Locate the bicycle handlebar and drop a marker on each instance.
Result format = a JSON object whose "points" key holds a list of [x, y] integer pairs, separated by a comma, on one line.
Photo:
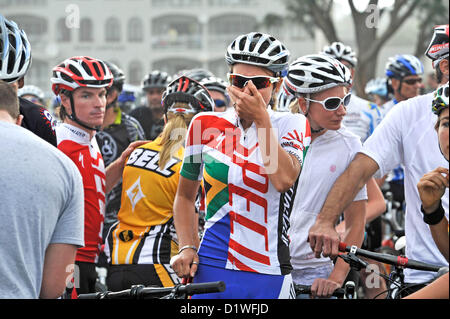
{"points": [[303, 289], [399, 261], [141, 292]]}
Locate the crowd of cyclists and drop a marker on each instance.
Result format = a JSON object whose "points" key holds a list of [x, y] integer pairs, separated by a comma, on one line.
{"points": [[253, 180]]}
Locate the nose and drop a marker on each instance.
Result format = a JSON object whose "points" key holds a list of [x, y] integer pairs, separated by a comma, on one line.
{"points": [[342, 110]]}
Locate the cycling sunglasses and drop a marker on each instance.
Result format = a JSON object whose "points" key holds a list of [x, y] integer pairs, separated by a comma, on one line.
{"points": [[412, 81], [261, 82], [333, 103], [220, 103]]}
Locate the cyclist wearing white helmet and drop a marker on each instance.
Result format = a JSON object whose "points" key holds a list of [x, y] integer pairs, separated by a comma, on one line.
{"points": [[82, 84], [377, 90], [151, 115], [321, 86], [249, 185], [403, 137], [15, 61], [218, 90], [33, 94], [362, 116]]}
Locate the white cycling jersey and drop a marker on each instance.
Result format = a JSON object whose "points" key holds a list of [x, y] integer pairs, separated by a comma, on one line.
{"points": [[328, 157], [247, 219], [407, 136], [362, 117]]}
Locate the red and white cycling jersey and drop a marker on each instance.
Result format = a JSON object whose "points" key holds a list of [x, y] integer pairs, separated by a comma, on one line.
{"points": [[247, 219], [85, 153]]}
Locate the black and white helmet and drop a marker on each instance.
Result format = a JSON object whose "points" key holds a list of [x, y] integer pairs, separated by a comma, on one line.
{"points": [[316, 73], [215, 84], [156, 79], [258, 49], [15, 51], [340, 51]]}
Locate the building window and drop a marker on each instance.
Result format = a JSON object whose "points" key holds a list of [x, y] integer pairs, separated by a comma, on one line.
{"points": [[135, 72], [112, 30], [86, 30], [63, 33], [38, 74], [135, 30], [176, 31], [175, 65]]}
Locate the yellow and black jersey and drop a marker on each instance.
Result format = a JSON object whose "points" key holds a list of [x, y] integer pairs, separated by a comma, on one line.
{"points": [[145, 233]]}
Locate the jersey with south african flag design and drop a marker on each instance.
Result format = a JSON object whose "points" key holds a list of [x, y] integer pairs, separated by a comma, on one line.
{"points": [[247, 219]]}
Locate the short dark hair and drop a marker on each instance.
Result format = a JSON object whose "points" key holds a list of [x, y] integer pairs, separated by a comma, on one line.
{"points": [[9, 101]]}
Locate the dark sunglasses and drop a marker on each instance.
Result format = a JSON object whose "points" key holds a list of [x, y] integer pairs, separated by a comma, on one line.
{"points": [[261, 82], [333, 103], [220, 103], [412, 81]]}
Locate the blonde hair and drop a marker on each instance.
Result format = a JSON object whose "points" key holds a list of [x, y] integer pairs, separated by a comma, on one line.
{"points": [[173, 135]]}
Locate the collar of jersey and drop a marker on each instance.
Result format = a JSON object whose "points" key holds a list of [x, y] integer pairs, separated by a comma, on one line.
{"points": [[78, 134]]}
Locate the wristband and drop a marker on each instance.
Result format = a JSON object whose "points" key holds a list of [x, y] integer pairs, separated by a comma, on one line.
{"points": [[435, 217], [187, 247]]}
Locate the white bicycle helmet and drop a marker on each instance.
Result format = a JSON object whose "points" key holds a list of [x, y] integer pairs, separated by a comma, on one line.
{"points": [[31, 90], [316, 73], [340, 51], [284, 100], [15, 51], [258, 49], [377, 86]]}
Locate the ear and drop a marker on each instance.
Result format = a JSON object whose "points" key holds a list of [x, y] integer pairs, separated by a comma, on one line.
{"points": [[21, 82], [302, 103], [65, 103], [443, 66], [19, 120], [395, 83]]}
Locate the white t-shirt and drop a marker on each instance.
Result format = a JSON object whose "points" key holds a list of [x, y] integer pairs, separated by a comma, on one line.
{"points": [[362, 117], [328, 157], [407, 136]]}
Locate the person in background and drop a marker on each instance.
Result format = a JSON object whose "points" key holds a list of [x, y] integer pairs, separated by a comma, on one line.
{"points": [[377, 91], [33, 94], [150, 116], [42, 207], [218, 90]]}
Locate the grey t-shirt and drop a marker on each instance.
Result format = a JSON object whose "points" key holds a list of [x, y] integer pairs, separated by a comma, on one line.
{"points": [[41, 203]]}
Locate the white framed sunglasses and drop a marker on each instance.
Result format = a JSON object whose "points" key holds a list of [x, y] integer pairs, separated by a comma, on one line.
{"points": [[333, 103]]}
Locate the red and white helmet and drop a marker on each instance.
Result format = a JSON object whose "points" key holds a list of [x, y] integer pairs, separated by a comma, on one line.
{"points": [[438, 48], [81, 71]]}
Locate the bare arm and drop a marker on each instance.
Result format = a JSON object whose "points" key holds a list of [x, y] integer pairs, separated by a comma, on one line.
{"points": [[355, 219], [438, 289], [323, 237], [58, 262], [115, 169], [186, 227]]}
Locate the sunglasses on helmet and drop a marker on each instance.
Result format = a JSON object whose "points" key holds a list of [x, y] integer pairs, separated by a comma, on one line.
{"points": [[333, 103], [261, 82]]}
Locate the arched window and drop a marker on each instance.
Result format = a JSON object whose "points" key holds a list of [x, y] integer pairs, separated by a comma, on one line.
{"points": [[135, 72], [63, 33], [112, 30], [135, 30], [86, 30]]}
